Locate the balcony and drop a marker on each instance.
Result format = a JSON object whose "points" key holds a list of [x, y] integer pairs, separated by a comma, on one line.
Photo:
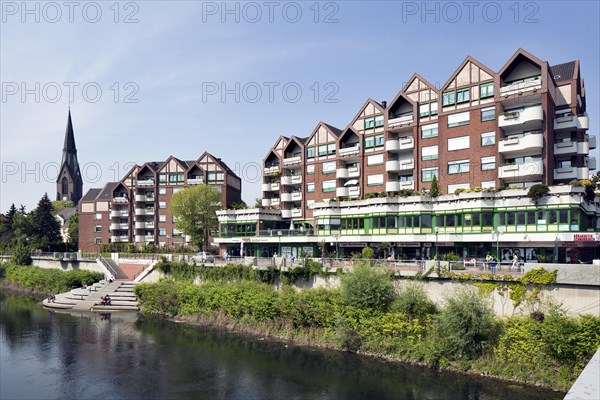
{"points": [[271, 170], [529, 170], [297, 196], [406, 143], [392, 166], [291, 180], [296, 212], [407, 164], [528, 144], [119, 239], [392, 145], [144, 225], [400, 123], [571, 173], [275, 202], [119, 226], [120, 199], [592, 142], [570, 147], [266, 202], [571, 122], [292, 160], [353, 172], [349, 151], [341, 173], [140, 211], [286, 213], [520, 87], [119, 214], [591, 163], [140, 197], [195, 181], [286, 197], [393, 186], [529, 118], [341, 192], [354, 191], [145, 182]]}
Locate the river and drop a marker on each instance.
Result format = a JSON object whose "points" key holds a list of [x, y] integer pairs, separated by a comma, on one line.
{"points": [[46, 355]]}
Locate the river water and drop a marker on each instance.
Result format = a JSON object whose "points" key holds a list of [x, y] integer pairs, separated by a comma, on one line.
{"points": [[45, 355]]}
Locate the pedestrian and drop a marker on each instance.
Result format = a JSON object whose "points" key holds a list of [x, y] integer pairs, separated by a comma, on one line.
{"points": [[225, 256], [493, 264], [515, 263]]}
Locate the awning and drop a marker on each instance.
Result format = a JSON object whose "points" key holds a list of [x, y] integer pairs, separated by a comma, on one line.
{"points": [[351, 182]]}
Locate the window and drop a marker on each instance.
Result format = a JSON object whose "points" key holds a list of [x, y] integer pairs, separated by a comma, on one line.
{"points": [[429, 131], [488, 163], [97, 240], [162, 178], [486, 90], [427, 174], [458, 143], [331, 148], [310, 169], [487, 218], [375, 160], [328, 186], [429, 153], [563, 164], [374, 141], [488, 138], [428, 109], [162, 218], [448, 98], [378, 140], [425, 220], [462, 95], [176, 177], [323, 150], [329, 167], [458, 167], [375, 180], [162, 232], [458, 119], [216, 176], [488, 184], [378, 121], [310, 187], [310, 152], [488, 114], [97, 216], [162, 190], [98, 228], [162, 204]]}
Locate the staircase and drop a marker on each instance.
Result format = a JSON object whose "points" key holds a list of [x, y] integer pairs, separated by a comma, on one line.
{"points": [[88, 298]]}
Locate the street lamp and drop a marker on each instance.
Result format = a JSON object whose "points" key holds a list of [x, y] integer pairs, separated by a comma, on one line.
{"points": [[337, 236], [279, 247], [498, 233], [437, 258]]}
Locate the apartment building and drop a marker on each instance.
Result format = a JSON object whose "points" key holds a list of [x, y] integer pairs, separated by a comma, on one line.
{"points": [[136, 209], [525, 124]]}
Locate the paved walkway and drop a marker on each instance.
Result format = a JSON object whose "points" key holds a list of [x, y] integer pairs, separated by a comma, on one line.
{"points": [[88, 299], [587, 386]]}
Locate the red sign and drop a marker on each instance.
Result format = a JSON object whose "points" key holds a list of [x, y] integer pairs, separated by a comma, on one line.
{"points": [[586, 237]]}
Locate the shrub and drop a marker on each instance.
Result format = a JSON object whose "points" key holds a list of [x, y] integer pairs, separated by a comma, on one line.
{"points": [[434, 190], [467, 324], [368, 253], [414, 302], [343, 336], [21, 255], [367, 287], [50, 280], [537, 191]]}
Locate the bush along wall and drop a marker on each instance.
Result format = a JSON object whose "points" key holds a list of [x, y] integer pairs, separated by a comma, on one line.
{"points": [[368, 314]]}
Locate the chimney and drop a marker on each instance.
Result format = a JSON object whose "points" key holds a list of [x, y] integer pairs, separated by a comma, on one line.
{"points": [[384, 104]]}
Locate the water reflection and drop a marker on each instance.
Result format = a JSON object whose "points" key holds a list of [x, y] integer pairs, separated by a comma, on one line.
{"points": [[51, 355]]}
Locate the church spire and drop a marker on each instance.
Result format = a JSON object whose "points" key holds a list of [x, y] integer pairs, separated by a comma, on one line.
{"points": [[69, 183]]}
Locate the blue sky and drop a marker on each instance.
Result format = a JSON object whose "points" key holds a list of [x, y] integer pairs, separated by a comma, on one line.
{"points": [[161, 68]]}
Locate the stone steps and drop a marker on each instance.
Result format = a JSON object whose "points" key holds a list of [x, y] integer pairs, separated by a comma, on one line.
{"points": [[84, 299]]}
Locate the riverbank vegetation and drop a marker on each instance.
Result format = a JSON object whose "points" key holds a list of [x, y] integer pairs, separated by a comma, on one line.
{"points": [[368, 314], [47, 281]]}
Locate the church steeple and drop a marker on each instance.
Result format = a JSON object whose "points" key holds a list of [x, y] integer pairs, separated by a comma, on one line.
{"points": [[69, 185]]}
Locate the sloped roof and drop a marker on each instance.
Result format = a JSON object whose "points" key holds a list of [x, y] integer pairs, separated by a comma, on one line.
{"points": [[90, 195], [107, 191], [564, 71]]}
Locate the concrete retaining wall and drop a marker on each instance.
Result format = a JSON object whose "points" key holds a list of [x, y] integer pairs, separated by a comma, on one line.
{"points": [[88, 265]]}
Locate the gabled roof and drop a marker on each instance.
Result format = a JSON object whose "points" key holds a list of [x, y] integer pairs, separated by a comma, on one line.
{"points": [[564, 71], [398, 96], [462, 65], [362, 108], [67, 213], [183, 164], [347, 131], [106, 193], [153, 166], [418, 76], [331, 129], [299, 141], [219, 162], [521, 53]]}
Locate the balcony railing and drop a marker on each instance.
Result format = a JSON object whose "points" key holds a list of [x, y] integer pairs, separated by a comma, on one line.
{"points": [[571, 122], [120, 199], [341, 173], [292, 160], [347, 151], [286, 213], [526, 119], [570, 173], [119, 239], [195, 181], [266, 202], [353, 191], [341, 192], [404, 120], [529, 144], [297, 196], [521, 86], [146, 182], [119, 214], [291, 180], [274, 169], [285, 197], [296, 212], [570, 147], [119, 226], [526, 170]]}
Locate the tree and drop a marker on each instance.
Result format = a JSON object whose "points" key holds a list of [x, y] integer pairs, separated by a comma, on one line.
{"points": [[384, 248], [258, 202], [194, 209], [367, 287], [239, 205], [47, 227], [537, 191], [59, 205], [73, 232], [434, 190], [21, 255], [596, 179]]}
